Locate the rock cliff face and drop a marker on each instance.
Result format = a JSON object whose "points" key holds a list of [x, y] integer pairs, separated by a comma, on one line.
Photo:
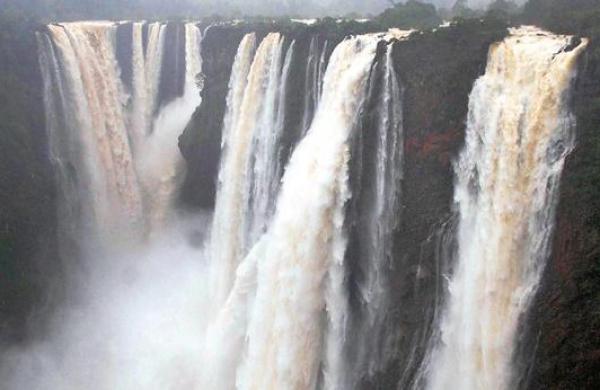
{"points": [[201, 142], [28, 260], [437, 71]]}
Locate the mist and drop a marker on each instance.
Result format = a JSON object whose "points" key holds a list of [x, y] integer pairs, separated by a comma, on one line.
{"points": [[331, 7], [139, 312], [74, 9]]}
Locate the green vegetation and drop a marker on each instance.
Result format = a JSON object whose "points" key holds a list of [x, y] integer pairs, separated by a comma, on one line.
{"points": [[503, 9], [412, 14], [460, 9]]}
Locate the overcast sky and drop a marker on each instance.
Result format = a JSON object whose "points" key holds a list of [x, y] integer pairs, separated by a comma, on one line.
{"points": [[311, 8], [327, 6]]}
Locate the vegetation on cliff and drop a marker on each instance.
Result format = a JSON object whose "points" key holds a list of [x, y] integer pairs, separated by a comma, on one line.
{"points": [[412, 14]]}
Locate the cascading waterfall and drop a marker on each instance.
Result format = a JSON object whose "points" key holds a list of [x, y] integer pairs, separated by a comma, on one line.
{"points": [[117, 162], [375, 226], [249, 168], [147, 67], [98, 159], [272, 326], [518, 135], [279, 312], [133, 285], [162, 176], [315, 71], [226, 231], [264, 168]]}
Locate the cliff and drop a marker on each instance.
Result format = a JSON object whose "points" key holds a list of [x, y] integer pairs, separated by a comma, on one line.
{"points": [[437, 70], [200, 144], [28, 259]]}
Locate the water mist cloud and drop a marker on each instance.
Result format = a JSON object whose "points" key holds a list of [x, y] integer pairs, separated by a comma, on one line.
{"points": [[138, 323]]}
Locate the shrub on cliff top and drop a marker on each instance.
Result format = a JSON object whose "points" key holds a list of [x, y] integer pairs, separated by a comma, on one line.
{"points": [[412, 14]]}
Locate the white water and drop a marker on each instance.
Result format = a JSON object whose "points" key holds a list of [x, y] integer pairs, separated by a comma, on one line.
{"points": [[123, 161], [294, 275], [160, 163], [141, 325], [275, 312], [265, 168], [94, 98], [265, 305], [518, 135], [133, 303], [249, 160], [147, 67], [382, 215], [313, 84]]}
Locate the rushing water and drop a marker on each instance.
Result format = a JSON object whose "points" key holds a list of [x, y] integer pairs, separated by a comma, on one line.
{"points": [[519, 132], [118, 162], [249, 170], [277, 309], [313, 81], [97, 160], [378, 216], [264, 299], [294, 273]]}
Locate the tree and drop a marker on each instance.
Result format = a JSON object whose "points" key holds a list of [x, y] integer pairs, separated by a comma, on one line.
{"points": [[412, 14], [504, 6], [460, 9]]}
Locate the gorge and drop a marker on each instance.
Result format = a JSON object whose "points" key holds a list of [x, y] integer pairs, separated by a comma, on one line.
{"points": [[288, 206]]}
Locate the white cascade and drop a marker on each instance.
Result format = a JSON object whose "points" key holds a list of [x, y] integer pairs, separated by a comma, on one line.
{"points": [[249, 169], [284, 319], [117, 161], [162, 176], [264, 169], [313, 83], [382, 216], [519, 132], [94, 99], [147, 67]]}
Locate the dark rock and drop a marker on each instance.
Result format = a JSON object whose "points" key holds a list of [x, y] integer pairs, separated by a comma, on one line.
{"points": [[28, 244], [172, 75]]}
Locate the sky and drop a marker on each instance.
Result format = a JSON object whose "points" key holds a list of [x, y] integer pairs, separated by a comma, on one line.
{"points": [[329, 6], [308, 8]]}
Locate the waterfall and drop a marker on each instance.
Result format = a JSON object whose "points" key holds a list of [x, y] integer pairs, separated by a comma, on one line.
{"points": [[313, 82], [98, 160], [294, 286], [378, 214], [117, 161], [249, 169], [147, 67], [519, 132], [162, 176], [264, 170], [291, 277]]}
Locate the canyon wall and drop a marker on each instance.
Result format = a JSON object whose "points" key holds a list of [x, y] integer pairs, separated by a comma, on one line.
{"points": [[436, 71]]}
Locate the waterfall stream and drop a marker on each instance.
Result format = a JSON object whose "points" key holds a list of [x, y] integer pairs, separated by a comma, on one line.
{"points": [[519, 132], [118, 161], [288, 283]]}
